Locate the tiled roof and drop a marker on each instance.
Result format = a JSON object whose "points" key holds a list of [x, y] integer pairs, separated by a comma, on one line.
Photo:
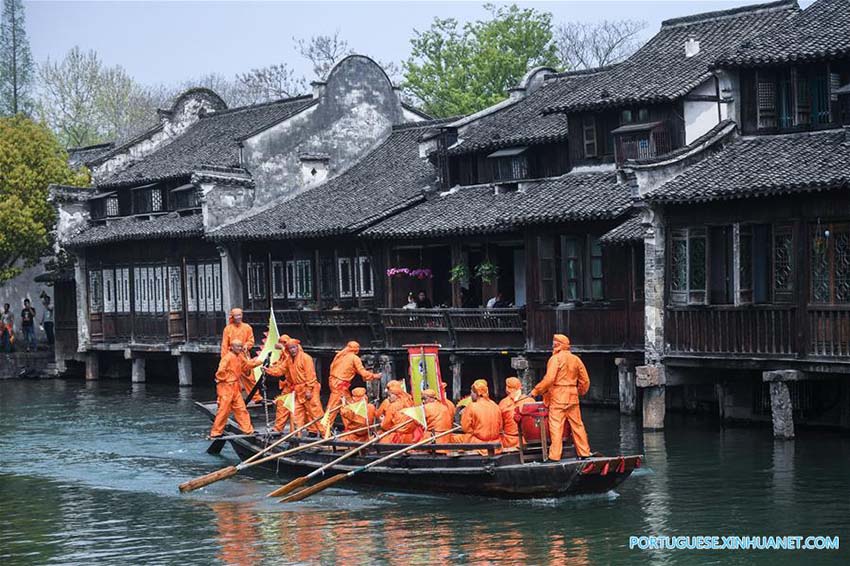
{"points": [[520, 123], [389, 178], [659, 71], [626, 233], [821, 31], [477, 210], [764, 165], [211, 141], [79, 156], [121, 229]]}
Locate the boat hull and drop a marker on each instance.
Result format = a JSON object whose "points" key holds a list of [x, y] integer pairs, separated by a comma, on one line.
{"points": [[503, 475]]}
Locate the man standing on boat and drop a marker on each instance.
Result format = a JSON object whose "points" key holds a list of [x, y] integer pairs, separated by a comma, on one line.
{"points": [[231, 367], [566, 379], [301, 372], [481, 419], [238, 330], [508, 406], [278, 370], [345, 365]]}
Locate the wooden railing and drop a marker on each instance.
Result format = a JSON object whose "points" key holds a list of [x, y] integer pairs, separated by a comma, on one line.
{"points": [[327, 328], [591, 326], [829, 331], [455, 328], [751, 330]]}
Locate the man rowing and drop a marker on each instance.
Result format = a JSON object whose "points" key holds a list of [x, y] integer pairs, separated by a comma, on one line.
{"points": [[398, 399], [438, 416], [232, 366], [301, 372], [353, 419], [565, 380], [238, 330], [278, 370]]}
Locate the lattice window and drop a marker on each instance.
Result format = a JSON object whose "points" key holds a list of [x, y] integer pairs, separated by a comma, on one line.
{"points": [[830, 263], [299, 279], [346, 279], [745, 264], [112, 206], [95, 292], [278, 280], [679, 264], [688, 265], [175, 289], [766, 95], [191, 288], [572, 268], [108, 291], [327, 279], [548, 274], [256, 280], [365, 278], [596, 282], [783, 263], [589, 134]]}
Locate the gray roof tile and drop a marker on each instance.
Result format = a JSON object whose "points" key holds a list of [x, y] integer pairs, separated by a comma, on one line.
{"points": [[131, 228]]}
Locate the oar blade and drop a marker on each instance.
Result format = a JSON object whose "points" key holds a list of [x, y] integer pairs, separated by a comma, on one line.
{"points": [[291, 486], [314, 489], [216, 447], [213, 477]]}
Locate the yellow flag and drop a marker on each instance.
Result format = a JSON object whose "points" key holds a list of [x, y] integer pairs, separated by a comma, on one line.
{"points": [[359, 408], [272, 336], [288, 401], [416, 413], [464, 402], [326, 422]]}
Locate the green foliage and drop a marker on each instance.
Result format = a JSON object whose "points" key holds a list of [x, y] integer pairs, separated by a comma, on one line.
{"points": [[487, 271], [30, 160], [460, 71], [17, 69], [459, 273]]}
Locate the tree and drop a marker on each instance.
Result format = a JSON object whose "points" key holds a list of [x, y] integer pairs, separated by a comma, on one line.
{"points": [[123, 108], [270, 83], [69, 95], [584, 45], [30, 159], [16, 65], [454, 71], [323, 51]]}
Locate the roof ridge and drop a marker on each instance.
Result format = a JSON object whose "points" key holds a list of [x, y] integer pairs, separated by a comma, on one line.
{"points": [[258, 105], [424, 123], [93, 146], [730, 13], [582, 72]]}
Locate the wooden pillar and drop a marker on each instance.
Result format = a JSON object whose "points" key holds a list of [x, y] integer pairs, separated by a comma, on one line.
{"points": [[457, 367], [627, 389], [184, 370], [781, 406], [497, 379], [138, 374], [92, 366]]}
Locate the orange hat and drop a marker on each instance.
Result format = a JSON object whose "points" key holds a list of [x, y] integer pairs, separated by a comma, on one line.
{"points": [[394, 387], [358, 392], [282, 341], [479, 386], [513, 384], [563, 343], [353, 346], [429, 393], [233, 312]]}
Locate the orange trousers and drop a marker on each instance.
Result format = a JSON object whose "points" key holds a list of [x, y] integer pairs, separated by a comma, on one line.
{"points": [[281, 415], [336, 400], [306, 411], [557, 415], [230, 400]]}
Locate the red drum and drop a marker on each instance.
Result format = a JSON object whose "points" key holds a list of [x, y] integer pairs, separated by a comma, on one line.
{"points": [[531, 416]]}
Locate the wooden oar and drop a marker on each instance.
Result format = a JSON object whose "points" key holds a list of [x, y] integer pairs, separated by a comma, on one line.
{"points": [[298, 482], [322, 485], [229, 471]]}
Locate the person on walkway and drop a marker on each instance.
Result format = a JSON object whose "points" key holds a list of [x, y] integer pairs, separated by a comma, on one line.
{"points": [[422, 301], [481, 420], [301, 373], [278, 370], [241, 331], [232, 365], [345, 365], [28, 325], [47, 318], [7, 321], [508, 407], [565, 381], [353, 421], [398, 399], [437, 415]]}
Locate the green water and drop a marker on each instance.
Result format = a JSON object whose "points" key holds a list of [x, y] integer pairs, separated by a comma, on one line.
{"points": [[89, 475]]}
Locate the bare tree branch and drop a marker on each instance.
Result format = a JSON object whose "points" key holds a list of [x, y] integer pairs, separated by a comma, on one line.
{"points": [[323, 51], [584, 45]]}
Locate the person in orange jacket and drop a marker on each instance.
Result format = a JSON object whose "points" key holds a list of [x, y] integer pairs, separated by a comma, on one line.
{"points": [[565, 380], [438, 416], [353, 421], [301, 372], [232, 365], [398, 399], [278, 370], [241, 331], [481, 420], [345, 365], [508, 407]]}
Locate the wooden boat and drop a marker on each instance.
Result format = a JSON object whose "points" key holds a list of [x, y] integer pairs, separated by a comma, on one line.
{"points": [[511, 475]]}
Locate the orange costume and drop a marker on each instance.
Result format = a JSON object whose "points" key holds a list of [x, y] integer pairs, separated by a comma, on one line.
{"points": [[301, 373], [345, 365], [230, 368], [565, 380], [278, 370], [393, 416], [508, 406], [353, 421], [438, 416], [245, 334], [481, 419]]}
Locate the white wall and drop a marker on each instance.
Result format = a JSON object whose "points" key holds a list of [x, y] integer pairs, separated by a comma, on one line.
{"points": [[700, 116]]}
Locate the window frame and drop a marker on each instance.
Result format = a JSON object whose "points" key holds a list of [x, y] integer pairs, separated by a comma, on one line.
{"points": [[589, 126]]}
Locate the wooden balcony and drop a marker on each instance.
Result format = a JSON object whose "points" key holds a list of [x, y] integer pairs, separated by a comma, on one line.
{"points": [[321, 329], [829, 331], [603, 327]]}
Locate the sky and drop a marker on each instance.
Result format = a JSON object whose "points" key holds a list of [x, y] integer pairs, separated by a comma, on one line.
{"points": [[170, 42]]}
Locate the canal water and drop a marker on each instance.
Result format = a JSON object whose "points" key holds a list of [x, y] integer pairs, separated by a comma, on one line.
{"points": [[89, 475]]}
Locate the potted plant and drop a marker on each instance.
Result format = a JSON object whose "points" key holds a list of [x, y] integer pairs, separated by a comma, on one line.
{"points": [[459, 273], [487, 271]]}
